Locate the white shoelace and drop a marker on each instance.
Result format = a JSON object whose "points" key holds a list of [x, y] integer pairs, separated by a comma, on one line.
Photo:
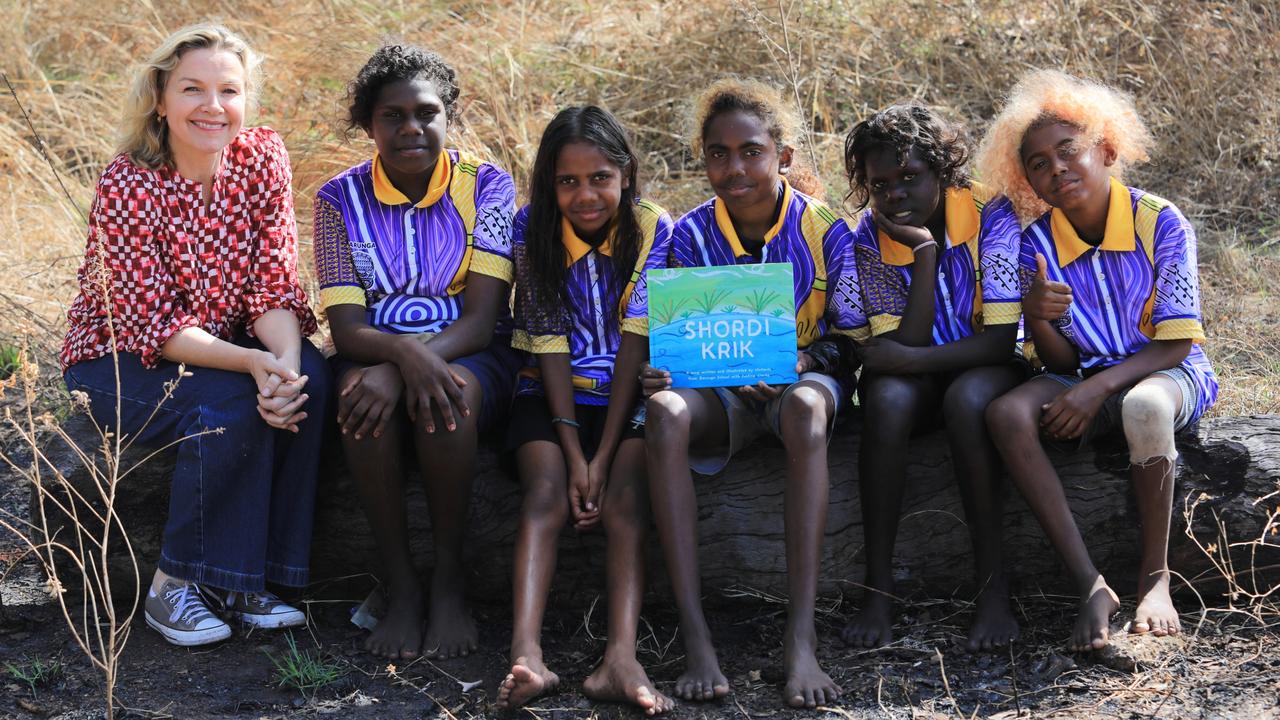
{"points": [[188, 606]]}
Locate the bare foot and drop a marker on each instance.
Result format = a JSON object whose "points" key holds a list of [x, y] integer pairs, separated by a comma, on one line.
{"points": [[994, 625], [1092, 630], [873, 627], [807, 685], [702, 679], [398, 635], [528, 679], [451, 632], [624, 680], [1156, 613]]}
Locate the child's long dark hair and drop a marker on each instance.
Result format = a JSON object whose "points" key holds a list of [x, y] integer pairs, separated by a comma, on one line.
{"points": [[903, 127], [544, 247]]}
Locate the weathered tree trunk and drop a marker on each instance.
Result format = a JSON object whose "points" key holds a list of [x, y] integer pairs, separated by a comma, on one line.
{"points": [[1229, 472]]}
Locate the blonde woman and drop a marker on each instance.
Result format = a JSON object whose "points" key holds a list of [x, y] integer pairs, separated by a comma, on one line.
{"points": [[192, 260]]}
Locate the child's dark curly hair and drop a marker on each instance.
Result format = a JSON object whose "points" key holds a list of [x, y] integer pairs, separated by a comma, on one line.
{"points": [[392, 63], [903, 127]]}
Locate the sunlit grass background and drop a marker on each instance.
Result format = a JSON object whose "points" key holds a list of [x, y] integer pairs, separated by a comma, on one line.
{"points": [[1204, 74]]}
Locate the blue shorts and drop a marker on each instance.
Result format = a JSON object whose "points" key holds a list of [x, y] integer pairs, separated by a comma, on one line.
{"points": [[495, 368], [748, 420], [1110, 419]]}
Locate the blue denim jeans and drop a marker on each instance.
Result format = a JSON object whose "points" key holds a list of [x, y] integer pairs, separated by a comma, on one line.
{"points": [[242, 499]]}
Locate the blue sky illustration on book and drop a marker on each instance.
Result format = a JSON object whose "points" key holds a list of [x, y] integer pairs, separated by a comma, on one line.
{"points": [[723, 326]]}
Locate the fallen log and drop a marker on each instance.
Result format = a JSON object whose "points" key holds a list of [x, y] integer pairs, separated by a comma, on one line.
{"points": [[1228, 487]]}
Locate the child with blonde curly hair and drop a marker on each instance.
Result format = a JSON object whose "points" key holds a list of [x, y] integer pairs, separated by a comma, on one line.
{"points": [[1112, 311]]}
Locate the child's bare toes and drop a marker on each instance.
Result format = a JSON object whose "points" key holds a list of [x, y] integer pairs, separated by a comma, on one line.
{"points": [[526, 681], [1156, 613], [624, 680], [994, 625], [398, 635], [702, 679], [873, 627], [1092, 630], [807, 684]]}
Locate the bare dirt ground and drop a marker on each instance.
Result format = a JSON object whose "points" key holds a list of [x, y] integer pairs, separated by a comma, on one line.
{"points": [[1227, 665]]}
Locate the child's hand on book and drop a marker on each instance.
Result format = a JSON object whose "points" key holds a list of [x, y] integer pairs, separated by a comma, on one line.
{"points": [[761, 392], [653, 380]]}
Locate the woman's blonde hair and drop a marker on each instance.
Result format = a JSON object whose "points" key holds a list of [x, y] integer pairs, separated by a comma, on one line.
{"points": [[1102, 113], [144, 135], [765, 102]]}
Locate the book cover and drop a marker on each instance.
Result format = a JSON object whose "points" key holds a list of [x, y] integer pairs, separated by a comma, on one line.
{"points": [[723, 326]]}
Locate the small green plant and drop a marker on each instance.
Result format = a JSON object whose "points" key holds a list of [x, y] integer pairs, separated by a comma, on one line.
{"points": [[758, 300], [728, 309], [36, 673], [301, 670], [668, 310], [10, 360], [710, 299]]}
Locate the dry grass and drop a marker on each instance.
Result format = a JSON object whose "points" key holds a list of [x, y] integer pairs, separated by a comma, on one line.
{"points": [[1203, 75]]}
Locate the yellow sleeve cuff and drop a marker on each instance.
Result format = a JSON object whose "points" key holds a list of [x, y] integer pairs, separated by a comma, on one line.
{"points": [[1029, 352], [1003, 313], [636, 326], [492, 265], [881, 324], [539, 344], [859, 334], [1180, 329], [342, 295]]}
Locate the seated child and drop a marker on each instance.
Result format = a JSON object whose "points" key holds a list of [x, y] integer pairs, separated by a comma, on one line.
{"points": [[937, 260], [747, 133], [582, 247], [413, 256], [1112, 310]]}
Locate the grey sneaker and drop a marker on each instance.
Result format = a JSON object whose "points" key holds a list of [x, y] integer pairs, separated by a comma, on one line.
{"points": [[262, 610], [178, 612]]}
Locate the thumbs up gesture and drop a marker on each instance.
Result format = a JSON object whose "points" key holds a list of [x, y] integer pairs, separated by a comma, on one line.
{"points": [[1047, 299]]}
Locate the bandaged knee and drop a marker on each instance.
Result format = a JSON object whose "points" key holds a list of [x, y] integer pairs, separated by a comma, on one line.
{"points": [[1149, 413]]}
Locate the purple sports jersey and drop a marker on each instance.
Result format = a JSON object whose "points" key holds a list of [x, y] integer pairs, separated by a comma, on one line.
{"points": [[590, 328], [405, 262], [1126, 292], [809, 236], [978, 282]]}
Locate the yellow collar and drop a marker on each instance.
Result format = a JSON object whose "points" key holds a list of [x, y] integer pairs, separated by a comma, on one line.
{"points": [[963, 225], [576, 247], [387, 193], [726, 224], [1119, 234]]}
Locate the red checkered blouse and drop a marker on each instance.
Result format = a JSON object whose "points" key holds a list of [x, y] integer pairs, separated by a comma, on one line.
{"points": [[159, 261]]}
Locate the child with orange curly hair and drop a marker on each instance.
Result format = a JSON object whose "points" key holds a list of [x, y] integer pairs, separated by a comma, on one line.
{"points": [[1112, 310]]}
